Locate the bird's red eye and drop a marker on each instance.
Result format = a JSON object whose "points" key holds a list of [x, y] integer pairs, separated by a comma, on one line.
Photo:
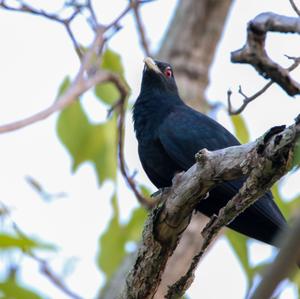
{"points": [[168, 72]]}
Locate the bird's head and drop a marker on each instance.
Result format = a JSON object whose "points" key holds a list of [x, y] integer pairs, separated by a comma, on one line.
{"points": [[158, 76]]}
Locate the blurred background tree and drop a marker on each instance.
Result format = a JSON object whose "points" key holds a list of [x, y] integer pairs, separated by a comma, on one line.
{"points": [[88, 233]]}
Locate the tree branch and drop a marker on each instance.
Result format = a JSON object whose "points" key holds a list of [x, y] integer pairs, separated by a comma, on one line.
{"points": [[265, 161], [248, 99], [144, 201], [66, 22], [53, 277], [140, 27], [254, 52]]}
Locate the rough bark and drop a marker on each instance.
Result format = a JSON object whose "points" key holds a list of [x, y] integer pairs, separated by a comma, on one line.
{"points": [[264, 161]]}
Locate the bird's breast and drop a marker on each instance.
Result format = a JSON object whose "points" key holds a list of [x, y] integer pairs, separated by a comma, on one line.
{"points": [[157, 164]]}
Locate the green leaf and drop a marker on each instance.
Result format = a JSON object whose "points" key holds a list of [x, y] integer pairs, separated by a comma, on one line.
{"points": [[23, 243], [240, 127], [112, 61], [133, 229], [103, 142], [107, 92], [238, 243], [9, 289], [112, 247], [114, 239], [89, 142]]}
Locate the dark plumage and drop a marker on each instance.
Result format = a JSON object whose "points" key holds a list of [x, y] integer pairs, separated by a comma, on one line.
{"points": [[170, 133]]}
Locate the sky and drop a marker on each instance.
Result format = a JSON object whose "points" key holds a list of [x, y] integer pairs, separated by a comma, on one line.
{"points": [[35, 56]]}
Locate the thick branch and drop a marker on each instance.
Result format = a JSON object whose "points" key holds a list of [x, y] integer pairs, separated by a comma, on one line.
{"points": [[265, 160], [254, 52]]}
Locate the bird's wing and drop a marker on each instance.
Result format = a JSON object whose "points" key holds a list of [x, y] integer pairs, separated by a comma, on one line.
{"points": [[182, 134], [185, 131]]}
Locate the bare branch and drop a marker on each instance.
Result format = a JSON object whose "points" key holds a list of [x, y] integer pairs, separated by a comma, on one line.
{"points": [[140, 27], [264, 161], [53, 277], [66, 22], [249, 99], [254, 52], [82, 82], [94, 19]]}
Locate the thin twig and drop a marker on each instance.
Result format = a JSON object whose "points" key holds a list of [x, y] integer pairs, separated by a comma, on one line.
{"points": [[25, 8], [94, 19], [249, 99], [146, 202], [130, 6], [53, 277], [295, 8], [79, 86], [140, 27]]}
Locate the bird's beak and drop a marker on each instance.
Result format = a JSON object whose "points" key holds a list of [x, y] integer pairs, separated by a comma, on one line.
{"points": [[151, 65]]}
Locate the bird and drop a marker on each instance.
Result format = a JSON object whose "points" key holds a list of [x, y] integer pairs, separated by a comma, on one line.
{"points": [[170, 133]]}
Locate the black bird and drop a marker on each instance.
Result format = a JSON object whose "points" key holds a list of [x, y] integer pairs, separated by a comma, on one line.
{"points": [[170, 133]]}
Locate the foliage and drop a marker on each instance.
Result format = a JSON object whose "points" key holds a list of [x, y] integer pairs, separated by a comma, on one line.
{"points": [[97, 143], [107, 92], [21, 242], [113, 241], [9, 289]]}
